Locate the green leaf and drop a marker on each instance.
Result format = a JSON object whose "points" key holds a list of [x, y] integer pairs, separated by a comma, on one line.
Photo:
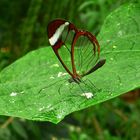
{"points": [[36, 86]]}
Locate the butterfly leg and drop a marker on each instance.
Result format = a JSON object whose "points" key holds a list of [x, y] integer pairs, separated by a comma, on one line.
{"points": [[62, 84], [89, 84], [86, 91], [81, 88], [48, 86]]}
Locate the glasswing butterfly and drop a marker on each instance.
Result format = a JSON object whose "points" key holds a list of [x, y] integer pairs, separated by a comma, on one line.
{"points": [[82, 46]]}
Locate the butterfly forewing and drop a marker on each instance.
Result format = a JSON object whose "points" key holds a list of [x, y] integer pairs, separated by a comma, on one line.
{"points": [[61, 40], [65, 50], [86, 53]]}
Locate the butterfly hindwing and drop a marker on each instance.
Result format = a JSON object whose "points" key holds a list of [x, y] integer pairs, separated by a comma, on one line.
{"points": [[86, 52]]}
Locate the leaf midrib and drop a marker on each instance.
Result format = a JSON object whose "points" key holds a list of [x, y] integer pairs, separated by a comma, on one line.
{"points": [[122, 51]]}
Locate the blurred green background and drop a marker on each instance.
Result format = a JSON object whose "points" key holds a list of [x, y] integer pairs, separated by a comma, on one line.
{"points": [[22, 29]]}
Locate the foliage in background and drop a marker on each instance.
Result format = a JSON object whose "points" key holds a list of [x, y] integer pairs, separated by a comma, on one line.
{"points": [[111, 120], [23, 23]]}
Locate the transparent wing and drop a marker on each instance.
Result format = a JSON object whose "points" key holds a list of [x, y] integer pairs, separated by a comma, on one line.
{"points": [[86, 53], [78, 51], [61, 34], [65, 50]]}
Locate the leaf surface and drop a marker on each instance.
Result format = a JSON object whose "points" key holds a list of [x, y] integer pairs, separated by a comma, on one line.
{"points": [[36, 86]]}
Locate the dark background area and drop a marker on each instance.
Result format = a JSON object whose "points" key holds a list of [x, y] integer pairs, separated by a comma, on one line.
{"points": [[22, 29]]}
